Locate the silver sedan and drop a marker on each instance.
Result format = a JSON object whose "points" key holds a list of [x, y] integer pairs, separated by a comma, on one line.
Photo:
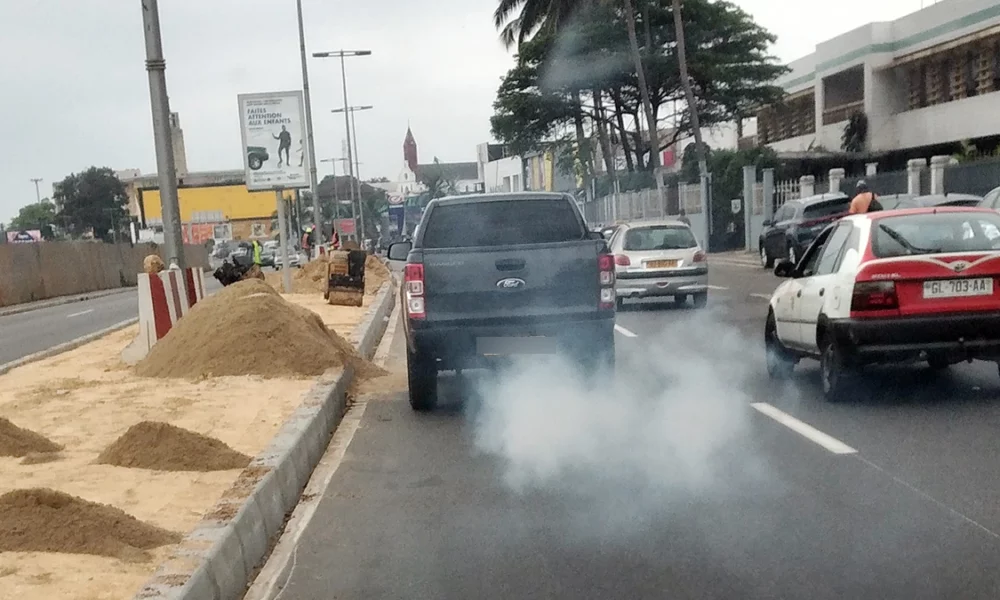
{"points": [[657, 259]]}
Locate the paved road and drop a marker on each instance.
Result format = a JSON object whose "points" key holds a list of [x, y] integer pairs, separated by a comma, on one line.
{"points": [[672, 482], [26, 333]]}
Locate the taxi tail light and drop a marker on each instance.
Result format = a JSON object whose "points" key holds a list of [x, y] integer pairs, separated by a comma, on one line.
{"points": [[413, 279], [874, 295], [606, 274], [700, 257], [622, 260]]}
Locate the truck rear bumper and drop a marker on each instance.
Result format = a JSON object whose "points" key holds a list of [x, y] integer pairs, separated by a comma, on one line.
{"points": [[471, 346]]}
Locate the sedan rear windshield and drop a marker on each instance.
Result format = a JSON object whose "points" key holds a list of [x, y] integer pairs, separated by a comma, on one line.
{"points": [[826, 209], [935, 233], [503, 223], [664, 237]]}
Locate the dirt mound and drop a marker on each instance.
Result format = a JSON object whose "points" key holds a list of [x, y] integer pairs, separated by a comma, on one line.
{"points": [[44, 520], [15, 441], [249, 329], [376, 273], [309, 279], [164, 447]]}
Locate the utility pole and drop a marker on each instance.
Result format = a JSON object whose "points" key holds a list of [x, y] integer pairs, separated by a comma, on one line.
{"points": [[313, 179], [173, 240], [357, 162], [38, 194]]}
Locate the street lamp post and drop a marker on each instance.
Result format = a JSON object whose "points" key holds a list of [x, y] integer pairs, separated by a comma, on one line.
{"points": [[357, 161], [165, 168], [342, 54], [313, 184], [38, 194]]}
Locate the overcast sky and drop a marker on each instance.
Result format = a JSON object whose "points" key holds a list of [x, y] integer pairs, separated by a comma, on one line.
{"points": [[75, 89]]}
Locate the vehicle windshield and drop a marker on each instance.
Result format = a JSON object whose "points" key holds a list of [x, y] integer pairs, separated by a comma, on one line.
{"points": [[934, 233], [827, 208], [663, 237], [502, 223]]}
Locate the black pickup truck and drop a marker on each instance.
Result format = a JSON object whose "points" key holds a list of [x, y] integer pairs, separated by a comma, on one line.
{"points": [[493, 275]]}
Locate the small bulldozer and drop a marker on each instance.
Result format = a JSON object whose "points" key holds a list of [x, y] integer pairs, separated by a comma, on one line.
{"points": [[345, 277]]}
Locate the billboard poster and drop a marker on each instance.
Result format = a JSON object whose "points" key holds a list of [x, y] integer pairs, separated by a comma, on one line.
{"points": [[24, 236], [273, 131], [397, 216]]}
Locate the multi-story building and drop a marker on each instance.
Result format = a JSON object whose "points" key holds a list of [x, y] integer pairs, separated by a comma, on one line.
{"points": [[927, 79]]}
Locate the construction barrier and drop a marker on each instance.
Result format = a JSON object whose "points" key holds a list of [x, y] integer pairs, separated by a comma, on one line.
{"points": [[164, 298]]}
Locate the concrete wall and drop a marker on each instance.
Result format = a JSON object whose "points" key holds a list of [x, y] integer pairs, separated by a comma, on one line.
{"points": [[30, 272]]}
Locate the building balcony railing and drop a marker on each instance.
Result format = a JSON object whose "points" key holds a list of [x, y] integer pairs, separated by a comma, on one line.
{"points": [[843, 112]]}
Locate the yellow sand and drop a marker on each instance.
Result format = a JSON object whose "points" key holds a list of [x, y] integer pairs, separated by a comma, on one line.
{"points": [[84, 400]]}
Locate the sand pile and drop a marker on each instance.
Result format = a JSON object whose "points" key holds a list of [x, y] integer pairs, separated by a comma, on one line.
{"points": [[249, 329], [164, 447], [44, 520], [376, 273], [15, 441], [309, 279]]}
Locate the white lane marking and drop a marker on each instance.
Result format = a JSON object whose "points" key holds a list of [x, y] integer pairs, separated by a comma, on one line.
{"points": [[270, 583], [80, 314], [624, 331], [761, 296], [807, 431], [716, 287]]}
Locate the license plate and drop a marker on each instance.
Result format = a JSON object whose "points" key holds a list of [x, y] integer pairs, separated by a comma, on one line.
{"points": [[661, 264], [505, 346], [958, 288]]}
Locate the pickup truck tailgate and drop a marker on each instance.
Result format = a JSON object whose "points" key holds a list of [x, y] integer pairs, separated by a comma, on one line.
{"points": [[550, 281]]}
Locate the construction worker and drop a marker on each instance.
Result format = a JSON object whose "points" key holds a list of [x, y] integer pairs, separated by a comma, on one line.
{"points": [[864, 200], [255, 253]]}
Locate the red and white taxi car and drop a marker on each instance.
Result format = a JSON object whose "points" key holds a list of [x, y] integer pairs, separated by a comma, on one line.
{"points": [[890, 286]]}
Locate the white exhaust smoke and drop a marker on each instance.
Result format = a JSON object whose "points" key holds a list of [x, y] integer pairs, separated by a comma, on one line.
{"points": [[623, 447]]}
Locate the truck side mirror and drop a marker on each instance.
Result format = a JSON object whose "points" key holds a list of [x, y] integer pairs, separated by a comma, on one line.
{"points": [[399, 251]]}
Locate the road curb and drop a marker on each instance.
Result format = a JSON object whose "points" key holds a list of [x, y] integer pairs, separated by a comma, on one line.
{"points": [[17, 309], [219, 559], [66, 346]]}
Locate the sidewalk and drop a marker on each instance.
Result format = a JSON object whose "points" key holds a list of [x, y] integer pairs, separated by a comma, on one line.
{"points": [[30, 306], [735, 257]]}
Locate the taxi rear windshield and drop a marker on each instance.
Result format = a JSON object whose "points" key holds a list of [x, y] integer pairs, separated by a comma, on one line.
{"points": [[935, 233]]}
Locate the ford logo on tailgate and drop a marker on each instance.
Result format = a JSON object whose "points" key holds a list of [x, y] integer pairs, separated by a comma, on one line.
{"points": [[511, 283]]}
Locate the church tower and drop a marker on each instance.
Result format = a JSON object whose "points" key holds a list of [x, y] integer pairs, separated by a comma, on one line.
{"points": [[410, 150]]}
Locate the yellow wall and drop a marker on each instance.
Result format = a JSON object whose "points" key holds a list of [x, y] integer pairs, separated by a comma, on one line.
{"points": [[234, 201]]}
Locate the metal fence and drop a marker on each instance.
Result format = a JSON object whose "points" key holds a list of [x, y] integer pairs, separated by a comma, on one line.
{"points": [[977, 177]]}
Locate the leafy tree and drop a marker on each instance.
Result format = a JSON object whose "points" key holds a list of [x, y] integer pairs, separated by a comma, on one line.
{"points": [[40, 215], [437, 180], [93, 201]]}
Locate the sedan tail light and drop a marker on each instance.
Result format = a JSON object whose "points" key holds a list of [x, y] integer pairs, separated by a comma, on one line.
{"points": [[622, 260], [700, 257], [874, 296]]}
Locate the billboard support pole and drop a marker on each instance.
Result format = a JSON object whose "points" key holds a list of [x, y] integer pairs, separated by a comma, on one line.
{"points": [[286, 267], [313, 179], [165, 168]]}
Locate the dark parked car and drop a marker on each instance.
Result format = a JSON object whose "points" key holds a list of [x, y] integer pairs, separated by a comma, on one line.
{"points": [[991, 199], [796, 224], [902, 201]]}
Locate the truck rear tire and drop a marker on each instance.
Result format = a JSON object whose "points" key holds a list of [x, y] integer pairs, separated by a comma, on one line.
{"points": [[421, 374]]}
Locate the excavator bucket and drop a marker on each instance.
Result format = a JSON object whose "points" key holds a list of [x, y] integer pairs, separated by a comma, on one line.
{"points": [[345, 281]]}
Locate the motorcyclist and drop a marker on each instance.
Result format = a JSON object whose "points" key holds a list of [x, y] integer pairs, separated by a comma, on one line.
{"points": [[864, 200]]}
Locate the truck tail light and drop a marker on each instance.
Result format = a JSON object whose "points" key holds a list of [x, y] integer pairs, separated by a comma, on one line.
{"points": [[700, 257], [606, 270], [622, 260], [873, 296], [413, 280]]}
